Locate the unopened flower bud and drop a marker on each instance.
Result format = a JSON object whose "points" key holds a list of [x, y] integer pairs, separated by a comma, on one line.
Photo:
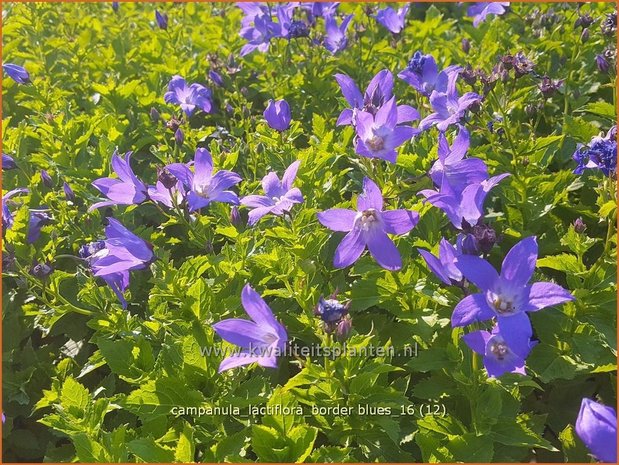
{"points": [[579, 226], [179, 136], [466, 45], [343, 328], [602, 63], [155, 116], [467, 244], [68, 192], [584, 36], [216, 78], [46, 179], [235, 216], [162, 19]]}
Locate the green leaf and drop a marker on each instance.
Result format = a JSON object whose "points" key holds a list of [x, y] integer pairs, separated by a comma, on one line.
{"points": [[161, 396], [147, 450], [562, 262], [517, 434], [471, 448], [87, 450], [603, 109], [573, 448], [185, 448], [302, 438], [74, 398], [267, 444]]}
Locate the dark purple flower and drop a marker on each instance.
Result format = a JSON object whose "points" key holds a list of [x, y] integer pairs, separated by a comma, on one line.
{"points": [[280, 195], [422, 73], [600, 154], [7, 216], [479, 11], [519, 63], [38, 219], [261, 340], [290, 28], [162, 19], [499, 356], [216, 78], [466, 206], [277, 115], [8, 163], [330, 310], [69, 195], [17, 73], [444, 267], [126, 189], [508, 296], [188, 96], [46, 179], [609, 25], [596, 425], [41, 270], [549, 86], [172, 184], [167, 178], [368, 226], [204, 187], [449, 108], [451, 166], [378, 92], [584, 21], [393, 20], [378, 136], [476, 239], [114, 258], [335, 39], [115, 7]]}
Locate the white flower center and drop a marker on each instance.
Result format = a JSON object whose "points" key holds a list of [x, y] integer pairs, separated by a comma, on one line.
{"points": [[203, 190], [367, 219], [375, 143], [503, 305], [499, 349]]}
